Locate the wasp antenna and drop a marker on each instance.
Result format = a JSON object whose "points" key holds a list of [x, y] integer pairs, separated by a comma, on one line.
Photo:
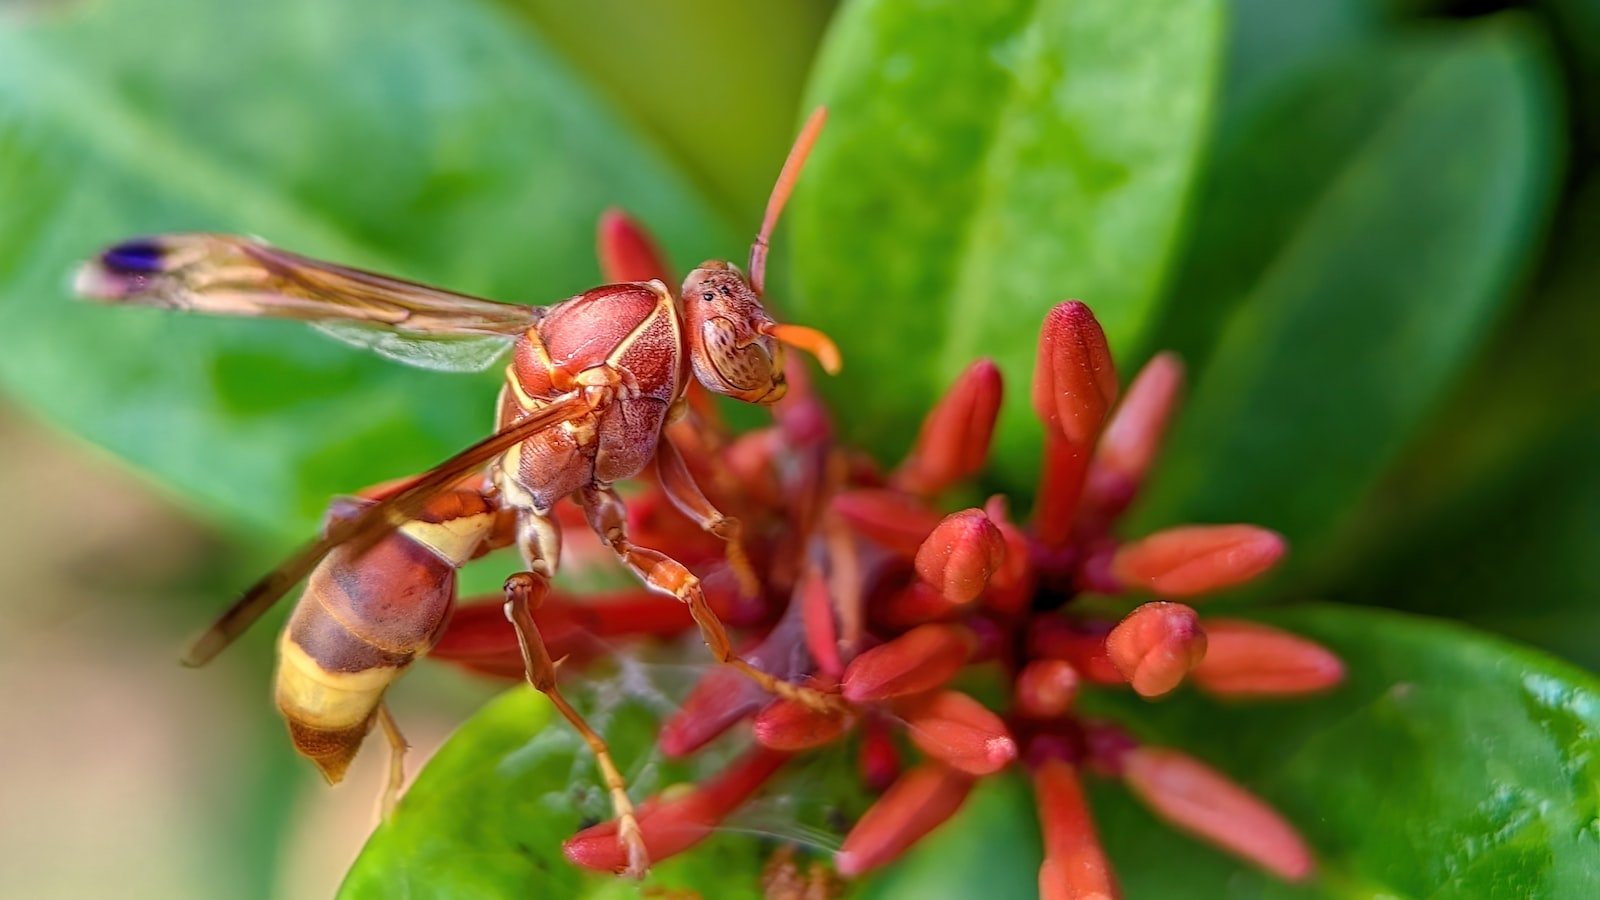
{"points": [[811, 341], [780, 194]]}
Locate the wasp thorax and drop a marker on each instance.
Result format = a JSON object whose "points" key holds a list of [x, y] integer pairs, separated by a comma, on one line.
{"points": [[729, 346]]}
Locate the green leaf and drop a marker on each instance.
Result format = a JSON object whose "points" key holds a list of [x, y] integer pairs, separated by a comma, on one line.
{"points": [[1575, 24], [989, 849], [487, 815], [1449, 765], [446, 144], [1491, 517], [1348, 258], [1269, 42], [716, 82], [1516, 555], [983, 162]]}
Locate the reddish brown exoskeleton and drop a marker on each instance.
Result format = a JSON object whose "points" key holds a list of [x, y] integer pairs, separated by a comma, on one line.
{"points": [[591, 385]]}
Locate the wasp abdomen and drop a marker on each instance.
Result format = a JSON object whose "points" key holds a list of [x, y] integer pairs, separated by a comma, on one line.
{"points": [[360, 623]]}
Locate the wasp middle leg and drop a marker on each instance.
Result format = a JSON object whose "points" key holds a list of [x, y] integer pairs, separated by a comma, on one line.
{"points": [[608, 517]]}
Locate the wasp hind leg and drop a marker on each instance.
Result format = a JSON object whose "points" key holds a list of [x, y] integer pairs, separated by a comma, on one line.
{"points": [[524, 591], [397, 762]]}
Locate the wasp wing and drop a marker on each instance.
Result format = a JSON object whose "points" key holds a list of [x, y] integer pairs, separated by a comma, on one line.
{"points": [[362, 530], [226, 275], [442, 354]]}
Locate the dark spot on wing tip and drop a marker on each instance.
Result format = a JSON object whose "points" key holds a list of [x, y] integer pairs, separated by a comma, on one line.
{"points": [[140, 256]]}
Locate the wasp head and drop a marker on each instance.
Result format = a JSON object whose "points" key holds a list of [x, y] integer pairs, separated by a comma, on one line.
{"points": [[731, 344]]}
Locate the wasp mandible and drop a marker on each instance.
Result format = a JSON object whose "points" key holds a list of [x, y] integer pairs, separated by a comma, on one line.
{"points": [[591, 384]]}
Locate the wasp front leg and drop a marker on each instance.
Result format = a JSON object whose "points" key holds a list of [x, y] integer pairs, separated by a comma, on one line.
{"points": [[608, 517], [540, 540], [680, 487]]}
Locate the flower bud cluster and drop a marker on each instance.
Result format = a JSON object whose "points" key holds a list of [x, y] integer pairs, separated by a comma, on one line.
{"points": [[874, 595]]}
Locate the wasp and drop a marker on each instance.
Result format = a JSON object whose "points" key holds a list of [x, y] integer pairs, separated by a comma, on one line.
{"points": [[590, 387]]}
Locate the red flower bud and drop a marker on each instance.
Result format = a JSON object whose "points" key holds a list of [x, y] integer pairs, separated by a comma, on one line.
{"points": [[915, 604], [959, 731], [1156, 646], [1081, 644], [898, 521], [626, 252], [480, 639], [1246, 659], [749, 458], [879, 761], [1011, 586], [673, 823], [920, 801], [955, 436], [791, 725], [1046, 688], [920, 660], [1074, 381], [722, 697], [1060, 486], [1207, 804], [1105, 746], [1132, 436], [1075, 867], [1074, 385], [822, 632], [802, 417], [961, 554], [1197, 559]]}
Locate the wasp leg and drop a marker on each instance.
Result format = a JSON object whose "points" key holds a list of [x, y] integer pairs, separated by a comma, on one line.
{"points": [[540, 541], [685, 494], [608, 517], [397, 761]]}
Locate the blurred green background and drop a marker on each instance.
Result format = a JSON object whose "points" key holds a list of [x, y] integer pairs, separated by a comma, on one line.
{"points": [[1369, 226]]}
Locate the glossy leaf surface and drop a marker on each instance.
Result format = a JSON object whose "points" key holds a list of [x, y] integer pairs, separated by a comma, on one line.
{"points": [[487, 816]]}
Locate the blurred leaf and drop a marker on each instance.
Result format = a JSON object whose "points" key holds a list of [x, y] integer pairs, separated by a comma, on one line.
{"points": [[984, 162], [717, 82], [1536, 379], [487, 816], [1269, 42], [1349, 257], [989, 849], [444, 144], [1574, 26], [1449, 765], [1517, 555], [1489, 517]]}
